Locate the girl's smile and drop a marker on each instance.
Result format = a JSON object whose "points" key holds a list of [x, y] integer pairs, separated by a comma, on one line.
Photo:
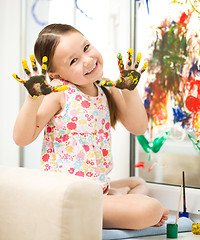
{"points": [[92, 70]]}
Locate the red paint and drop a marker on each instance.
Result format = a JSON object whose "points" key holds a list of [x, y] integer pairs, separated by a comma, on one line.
{"points": [[140, 164]]}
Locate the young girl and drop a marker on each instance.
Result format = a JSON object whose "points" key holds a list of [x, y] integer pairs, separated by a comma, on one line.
{"points": [[77, 122]]}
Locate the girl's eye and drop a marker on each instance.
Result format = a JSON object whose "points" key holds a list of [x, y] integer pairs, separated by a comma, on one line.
{"points": [[86, 47], [73, 61]]}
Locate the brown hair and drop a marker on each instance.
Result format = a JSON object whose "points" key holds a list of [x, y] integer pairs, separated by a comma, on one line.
{"points": [[45, 45]]}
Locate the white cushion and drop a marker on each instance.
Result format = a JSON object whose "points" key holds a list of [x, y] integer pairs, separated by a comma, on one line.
{"points": [[37, 205]]}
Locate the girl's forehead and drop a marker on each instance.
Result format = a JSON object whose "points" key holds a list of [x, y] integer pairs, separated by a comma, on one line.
{"points": [[70, 43], [72, 37]]}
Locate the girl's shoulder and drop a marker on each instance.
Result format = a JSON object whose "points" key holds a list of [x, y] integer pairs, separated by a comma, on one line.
{"points": [[56, 82]]}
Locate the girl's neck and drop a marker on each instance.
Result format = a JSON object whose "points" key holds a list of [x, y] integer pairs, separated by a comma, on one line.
{"points": [[90, 90]]}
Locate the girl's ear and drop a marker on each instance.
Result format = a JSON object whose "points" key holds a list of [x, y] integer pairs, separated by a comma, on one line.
{"points": [[54, 76]]}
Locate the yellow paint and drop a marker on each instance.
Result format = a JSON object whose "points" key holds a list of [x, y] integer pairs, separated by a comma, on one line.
{"points": [[24, 64], [194, 7], [60, 88], [175, 1], [119, 56], [196, 228], [103, 83], [17, 78], [145, 65], [44, 59], [32, 58], [139, 56], [130, 51], [44, 63]]}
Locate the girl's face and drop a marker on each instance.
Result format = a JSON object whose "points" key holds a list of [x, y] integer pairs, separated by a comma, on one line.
{"points": [[76, 60]]}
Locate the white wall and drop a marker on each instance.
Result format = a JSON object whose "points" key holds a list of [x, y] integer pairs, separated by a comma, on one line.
{"points": [[9, 87]]}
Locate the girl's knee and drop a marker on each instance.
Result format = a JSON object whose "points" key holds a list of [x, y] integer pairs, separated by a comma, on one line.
{"points": [[137, 180], [140, 183]]}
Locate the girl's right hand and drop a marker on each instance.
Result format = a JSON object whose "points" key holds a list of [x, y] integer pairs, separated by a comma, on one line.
{"points": [[129, 77], [37, 84]]}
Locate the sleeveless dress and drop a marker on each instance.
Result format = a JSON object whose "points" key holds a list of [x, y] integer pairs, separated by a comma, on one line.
{"points": [[78, 140]]}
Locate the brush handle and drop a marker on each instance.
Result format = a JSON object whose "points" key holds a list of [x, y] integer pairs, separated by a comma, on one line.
{"points": [[179, 204]]}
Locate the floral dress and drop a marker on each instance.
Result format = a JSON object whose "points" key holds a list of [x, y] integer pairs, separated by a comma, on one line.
{"points": [[78, 140]]}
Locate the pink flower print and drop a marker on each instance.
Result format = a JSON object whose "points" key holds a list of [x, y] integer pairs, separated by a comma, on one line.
{"points": [[101, 107], [74, 112], [81, 155], [85, 104], [58, 139], [48, 129], [78, 97], [89, 174], [65, 138], [47, 167], [88, 162], [86, 147], [106, 134], [80, 173], [71, 125], [107, 126], [65, 156], [45, 157], [74, 119], [49, 150], [106, 165], [95, 133], [103, 121], [100, 131], [89, 117], [98, 161], [71, 90], [105, 152], [71, 170]]}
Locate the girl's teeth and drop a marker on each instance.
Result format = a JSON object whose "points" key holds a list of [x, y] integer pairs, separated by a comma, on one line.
{"points": [[92, 69]]}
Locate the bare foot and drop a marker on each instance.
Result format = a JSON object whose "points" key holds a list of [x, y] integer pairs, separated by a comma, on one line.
{"points": [[119, 191], [163, 218]]}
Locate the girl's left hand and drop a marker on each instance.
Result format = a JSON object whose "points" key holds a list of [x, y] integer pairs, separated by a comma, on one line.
{"points": [[129, 77], [37, 84]]}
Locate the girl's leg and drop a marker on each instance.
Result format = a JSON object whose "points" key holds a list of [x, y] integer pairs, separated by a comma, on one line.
{"points": [[131, 211], [128, 186]]}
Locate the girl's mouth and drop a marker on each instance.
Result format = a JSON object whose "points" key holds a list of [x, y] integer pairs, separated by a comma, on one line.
{"points": [[92, 69]]}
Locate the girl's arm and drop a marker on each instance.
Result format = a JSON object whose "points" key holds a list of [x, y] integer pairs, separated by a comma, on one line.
{"points": [[132, 113], [42, 103], [34, 115]]}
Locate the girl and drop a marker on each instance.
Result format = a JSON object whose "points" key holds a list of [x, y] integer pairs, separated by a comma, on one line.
{"points": [[77, 123]]}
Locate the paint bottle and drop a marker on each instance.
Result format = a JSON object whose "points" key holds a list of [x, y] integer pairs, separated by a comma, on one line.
{"points": [[172, 230], [196, 228], [184, 214]]}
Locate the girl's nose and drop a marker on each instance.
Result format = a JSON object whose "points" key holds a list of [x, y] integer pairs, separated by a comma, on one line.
{"points": [[87, 61]]}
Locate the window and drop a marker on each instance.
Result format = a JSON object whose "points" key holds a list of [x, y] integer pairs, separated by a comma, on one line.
{"points": [[163, 168], [169, 40]]}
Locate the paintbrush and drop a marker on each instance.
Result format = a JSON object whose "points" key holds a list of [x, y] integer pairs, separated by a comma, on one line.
{"points": [[178, 205]]}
